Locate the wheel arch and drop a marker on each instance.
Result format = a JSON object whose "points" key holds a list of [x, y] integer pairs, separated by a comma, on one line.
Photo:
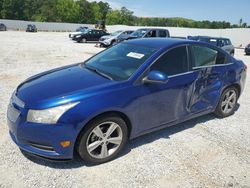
{"points": [[236, 85], [103, 114]]}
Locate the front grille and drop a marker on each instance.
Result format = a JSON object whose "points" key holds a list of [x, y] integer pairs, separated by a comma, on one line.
{"points": [[42, 147]]}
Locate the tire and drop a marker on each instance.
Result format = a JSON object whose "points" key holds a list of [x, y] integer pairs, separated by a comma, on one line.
{"points": [[107, 145], [232, 53], [112, 43], [226, 106], [83, 40]]}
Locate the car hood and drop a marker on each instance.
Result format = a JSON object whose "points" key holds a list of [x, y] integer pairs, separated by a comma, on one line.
{"points": [[54, 87], [76, 33], [106, 37], [131, 37]]}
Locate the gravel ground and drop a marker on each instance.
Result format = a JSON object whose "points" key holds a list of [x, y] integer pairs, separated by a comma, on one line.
{"points": [[204, 152]]}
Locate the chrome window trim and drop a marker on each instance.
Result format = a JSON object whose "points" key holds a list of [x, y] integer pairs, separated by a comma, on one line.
{"points": [[181, 74], [209, 66]]}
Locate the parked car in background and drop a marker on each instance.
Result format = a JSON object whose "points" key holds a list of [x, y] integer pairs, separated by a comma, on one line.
{"points": [[247, 49], [149, 33], [223, 43], [113, 38], [31, 28], [130, 89], [89, 35], [3, 27], [78, 31]]}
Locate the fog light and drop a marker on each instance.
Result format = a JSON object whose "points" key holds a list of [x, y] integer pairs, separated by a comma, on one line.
{"points": [[65, 144]]}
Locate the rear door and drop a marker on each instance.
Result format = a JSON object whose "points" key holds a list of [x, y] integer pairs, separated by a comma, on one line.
{"points": [[210, 70]]}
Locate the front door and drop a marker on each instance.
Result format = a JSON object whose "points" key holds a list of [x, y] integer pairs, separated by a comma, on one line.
{"points": [[160, 104]]}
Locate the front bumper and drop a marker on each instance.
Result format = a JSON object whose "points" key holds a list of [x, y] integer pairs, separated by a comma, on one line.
{"points": [[105, 43], [43, 139]]}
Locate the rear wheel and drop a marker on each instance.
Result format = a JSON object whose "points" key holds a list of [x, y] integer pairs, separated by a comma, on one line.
{"points": [[103, 139], [228, 101]]}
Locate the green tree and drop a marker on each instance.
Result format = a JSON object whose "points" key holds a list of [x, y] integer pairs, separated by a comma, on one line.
{"points": [[113, 17], [67, 11], [127, 17], [13, 9], [86, 12], [47, 12], [104, 9], [96, 11], [31, 9]]}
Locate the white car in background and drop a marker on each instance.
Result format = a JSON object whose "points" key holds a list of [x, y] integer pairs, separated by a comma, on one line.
{"points": [[113, 38]]}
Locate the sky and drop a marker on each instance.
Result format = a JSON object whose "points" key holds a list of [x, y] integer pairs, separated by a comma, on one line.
{"points": [[213, 10]]}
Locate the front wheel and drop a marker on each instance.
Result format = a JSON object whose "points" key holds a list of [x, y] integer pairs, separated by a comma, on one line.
{"points": [[102, 140], [84, 40], [228, 102]]}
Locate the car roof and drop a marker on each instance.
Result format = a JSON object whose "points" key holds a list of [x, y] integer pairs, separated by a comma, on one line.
{"points": [[211, 37], [152, 29], [161, 42]]}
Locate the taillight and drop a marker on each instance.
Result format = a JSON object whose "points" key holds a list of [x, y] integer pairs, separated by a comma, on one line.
{"points": [[245, 67]]}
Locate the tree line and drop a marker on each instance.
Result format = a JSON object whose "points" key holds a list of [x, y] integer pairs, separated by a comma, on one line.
{"points": [[83, 11]]}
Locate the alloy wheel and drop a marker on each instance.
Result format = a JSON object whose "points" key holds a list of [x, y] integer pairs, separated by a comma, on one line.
{"points": [[104, 140], [229, 101]]}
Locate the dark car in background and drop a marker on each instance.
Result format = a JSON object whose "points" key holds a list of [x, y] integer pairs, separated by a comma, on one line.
{"points": [[223, 43], [149, 33], [247, 49], [31, 28], [114, 38], [3, 27], [79, 30], [89, 35]]}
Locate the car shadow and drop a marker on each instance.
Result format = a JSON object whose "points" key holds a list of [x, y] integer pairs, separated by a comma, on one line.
{"points": [[137, 142]]}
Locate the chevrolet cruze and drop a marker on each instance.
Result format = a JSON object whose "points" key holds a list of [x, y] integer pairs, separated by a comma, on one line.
{"points": [[135, 87]]}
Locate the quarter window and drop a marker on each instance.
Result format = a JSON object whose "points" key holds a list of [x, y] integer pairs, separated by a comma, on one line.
{"points": [[173, 62], [204, 56]]}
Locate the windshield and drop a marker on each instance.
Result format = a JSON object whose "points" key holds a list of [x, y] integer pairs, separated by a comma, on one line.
{"points": [[120, 61], [116, 33], [139, 33]]}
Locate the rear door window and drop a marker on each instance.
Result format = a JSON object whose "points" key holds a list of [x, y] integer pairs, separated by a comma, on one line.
{"points": [[204, 56]]}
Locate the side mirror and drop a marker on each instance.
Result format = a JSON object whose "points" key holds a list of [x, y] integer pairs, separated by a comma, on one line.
{"points": [[155, 77]]}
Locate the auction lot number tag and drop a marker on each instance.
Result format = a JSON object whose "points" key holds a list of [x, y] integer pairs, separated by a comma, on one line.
{"points": [[135, 55]]}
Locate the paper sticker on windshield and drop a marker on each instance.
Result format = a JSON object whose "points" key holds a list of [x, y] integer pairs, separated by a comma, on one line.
{"points": [[135, 55]]}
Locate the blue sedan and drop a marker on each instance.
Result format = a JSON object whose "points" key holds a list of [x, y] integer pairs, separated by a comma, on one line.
{"points": [[128, 90]]}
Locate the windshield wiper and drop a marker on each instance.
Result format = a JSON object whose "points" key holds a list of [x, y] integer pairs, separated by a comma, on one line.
{"points": [[98, 72]]}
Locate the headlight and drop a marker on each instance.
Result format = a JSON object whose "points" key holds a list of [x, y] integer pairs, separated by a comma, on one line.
{"points": [[78, 36], [50, 115], [107, 41]]}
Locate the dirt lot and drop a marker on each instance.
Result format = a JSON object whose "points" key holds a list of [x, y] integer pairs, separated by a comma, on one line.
{"points": [[204, 152]]}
